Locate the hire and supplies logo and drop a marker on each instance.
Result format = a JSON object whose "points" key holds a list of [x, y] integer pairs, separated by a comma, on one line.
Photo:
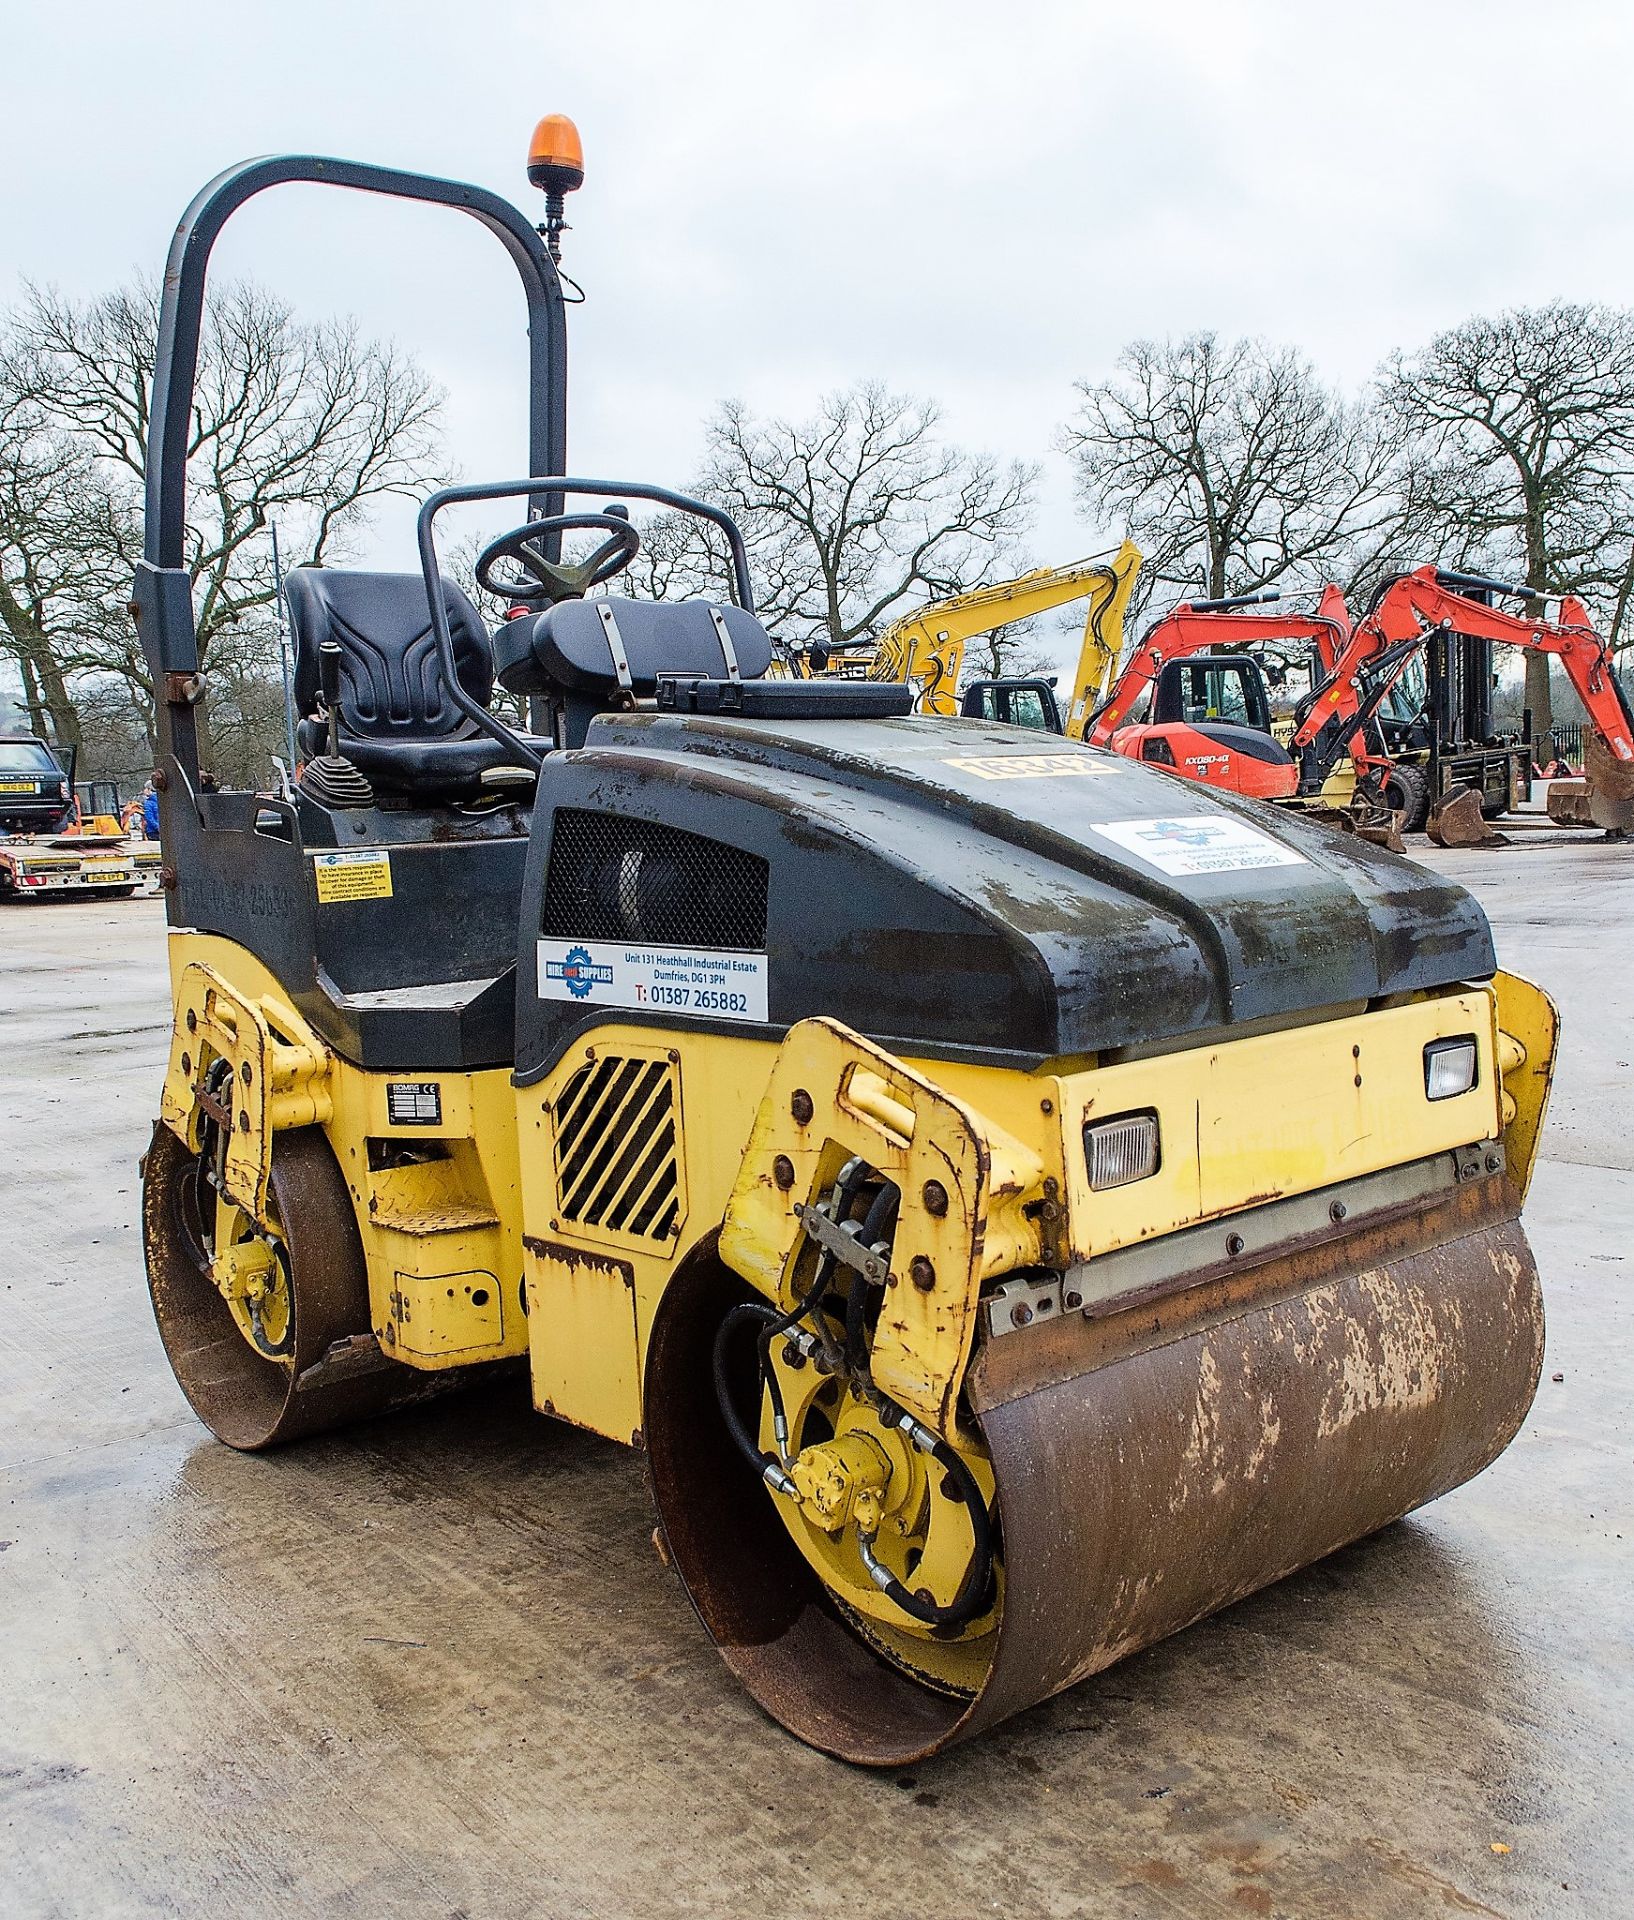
{"points": [[578, 972]]}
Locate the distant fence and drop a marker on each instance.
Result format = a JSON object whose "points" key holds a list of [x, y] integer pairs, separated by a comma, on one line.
{"points": [[1568, 742]]}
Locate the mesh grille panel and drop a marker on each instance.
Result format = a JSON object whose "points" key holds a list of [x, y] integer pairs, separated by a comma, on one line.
{"points": [[615, 1147], [617, 879]]}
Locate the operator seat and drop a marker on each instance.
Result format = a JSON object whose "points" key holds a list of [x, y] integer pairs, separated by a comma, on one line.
{"points": [[398, 725]]}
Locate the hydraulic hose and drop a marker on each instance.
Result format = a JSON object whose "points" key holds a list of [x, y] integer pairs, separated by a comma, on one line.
{"points": [[773, 1472], [975, 1588], [877, 1225]]}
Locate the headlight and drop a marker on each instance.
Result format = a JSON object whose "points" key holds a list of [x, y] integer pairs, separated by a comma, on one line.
{"points": [[1118, 1151], [1449, 1067]]}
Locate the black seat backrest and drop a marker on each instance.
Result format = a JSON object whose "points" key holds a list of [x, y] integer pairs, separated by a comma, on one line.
{"points": [[568, 649], [391, 681]]}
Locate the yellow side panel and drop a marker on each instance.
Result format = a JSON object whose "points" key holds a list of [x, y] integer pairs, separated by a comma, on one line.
{"points": [[714, 1084], [1279, 1114], [437, 1235], [583, 1348]]}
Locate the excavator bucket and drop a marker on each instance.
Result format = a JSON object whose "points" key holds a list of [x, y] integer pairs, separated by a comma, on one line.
{"points": [[1610, 786]]}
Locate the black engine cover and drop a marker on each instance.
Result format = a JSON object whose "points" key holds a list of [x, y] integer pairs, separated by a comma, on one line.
{"points": [[953, 885]]}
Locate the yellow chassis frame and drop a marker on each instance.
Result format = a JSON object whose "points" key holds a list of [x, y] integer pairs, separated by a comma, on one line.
{"points": [[471, 1256]]}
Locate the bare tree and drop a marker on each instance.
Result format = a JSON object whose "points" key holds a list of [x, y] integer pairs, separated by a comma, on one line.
{"points": [[63, 580], [850, 517], [306, 424], [1233, 467], [1522, 432], [1019, 650]]}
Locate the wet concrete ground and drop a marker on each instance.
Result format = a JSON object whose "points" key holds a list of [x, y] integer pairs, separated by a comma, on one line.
{"points": [[433, 1668]]}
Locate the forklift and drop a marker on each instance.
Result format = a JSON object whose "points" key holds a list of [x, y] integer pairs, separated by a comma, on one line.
{"points": [[1438, 721], [1013, 1206]]}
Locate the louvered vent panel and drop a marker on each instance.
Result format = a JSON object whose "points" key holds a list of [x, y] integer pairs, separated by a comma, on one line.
{"points": [[615, 1147]]}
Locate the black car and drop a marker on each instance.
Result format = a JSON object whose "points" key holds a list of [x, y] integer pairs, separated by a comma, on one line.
{"points": [[35, 795]]}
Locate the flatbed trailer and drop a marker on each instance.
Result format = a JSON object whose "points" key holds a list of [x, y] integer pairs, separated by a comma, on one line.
{"points": [[34, 866]]}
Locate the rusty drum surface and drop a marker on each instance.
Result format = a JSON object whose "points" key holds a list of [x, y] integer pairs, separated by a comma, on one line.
{"points": [[1152, 1466]]}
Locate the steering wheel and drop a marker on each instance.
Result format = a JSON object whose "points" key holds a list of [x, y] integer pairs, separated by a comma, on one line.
{"points": [[555, 580]]}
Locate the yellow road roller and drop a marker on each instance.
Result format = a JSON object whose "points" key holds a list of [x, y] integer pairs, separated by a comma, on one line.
{"points": [[1017, 1206]]}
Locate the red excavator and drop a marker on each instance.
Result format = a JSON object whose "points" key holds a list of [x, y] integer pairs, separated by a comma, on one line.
{"points": [[1209, 715], [1407, 612]]}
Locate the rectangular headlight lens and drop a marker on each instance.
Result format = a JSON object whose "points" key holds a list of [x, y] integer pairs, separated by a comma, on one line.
{"points": [[1449, 1067], [1118, 1151]]}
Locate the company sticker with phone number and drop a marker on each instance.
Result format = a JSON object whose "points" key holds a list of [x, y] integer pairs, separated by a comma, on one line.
{"points": [[609, 973]]}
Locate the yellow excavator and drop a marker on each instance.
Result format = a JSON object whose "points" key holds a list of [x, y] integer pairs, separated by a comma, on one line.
{"points": [[927, 648]]}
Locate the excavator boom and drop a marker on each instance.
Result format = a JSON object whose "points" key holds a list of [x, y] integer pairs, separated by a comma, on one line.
{"points": [[1197, 627], [927, 647], [1413, 606]]}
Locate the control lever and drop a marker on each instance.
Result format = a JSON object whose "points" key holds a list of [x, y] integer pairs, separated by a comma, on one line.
{"points": [[329, 688]]}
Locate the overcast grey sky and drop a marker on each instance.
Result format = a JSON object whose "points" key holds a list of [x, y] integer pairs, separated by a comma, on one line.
{"points": [[977, 201]]}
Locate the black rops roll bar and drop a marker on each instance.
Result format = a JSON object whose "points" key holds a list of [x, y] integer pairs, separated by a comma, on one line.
{"points": [[181, 316], [554, 486], [163, 599]]}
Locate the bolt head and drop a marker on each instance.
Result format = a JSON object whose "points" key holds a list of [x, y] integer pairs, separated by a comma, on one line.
{"points": [[922, 1273], [801, 1107], [1020, 1314], [783, 1171], [934, 1195]]}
